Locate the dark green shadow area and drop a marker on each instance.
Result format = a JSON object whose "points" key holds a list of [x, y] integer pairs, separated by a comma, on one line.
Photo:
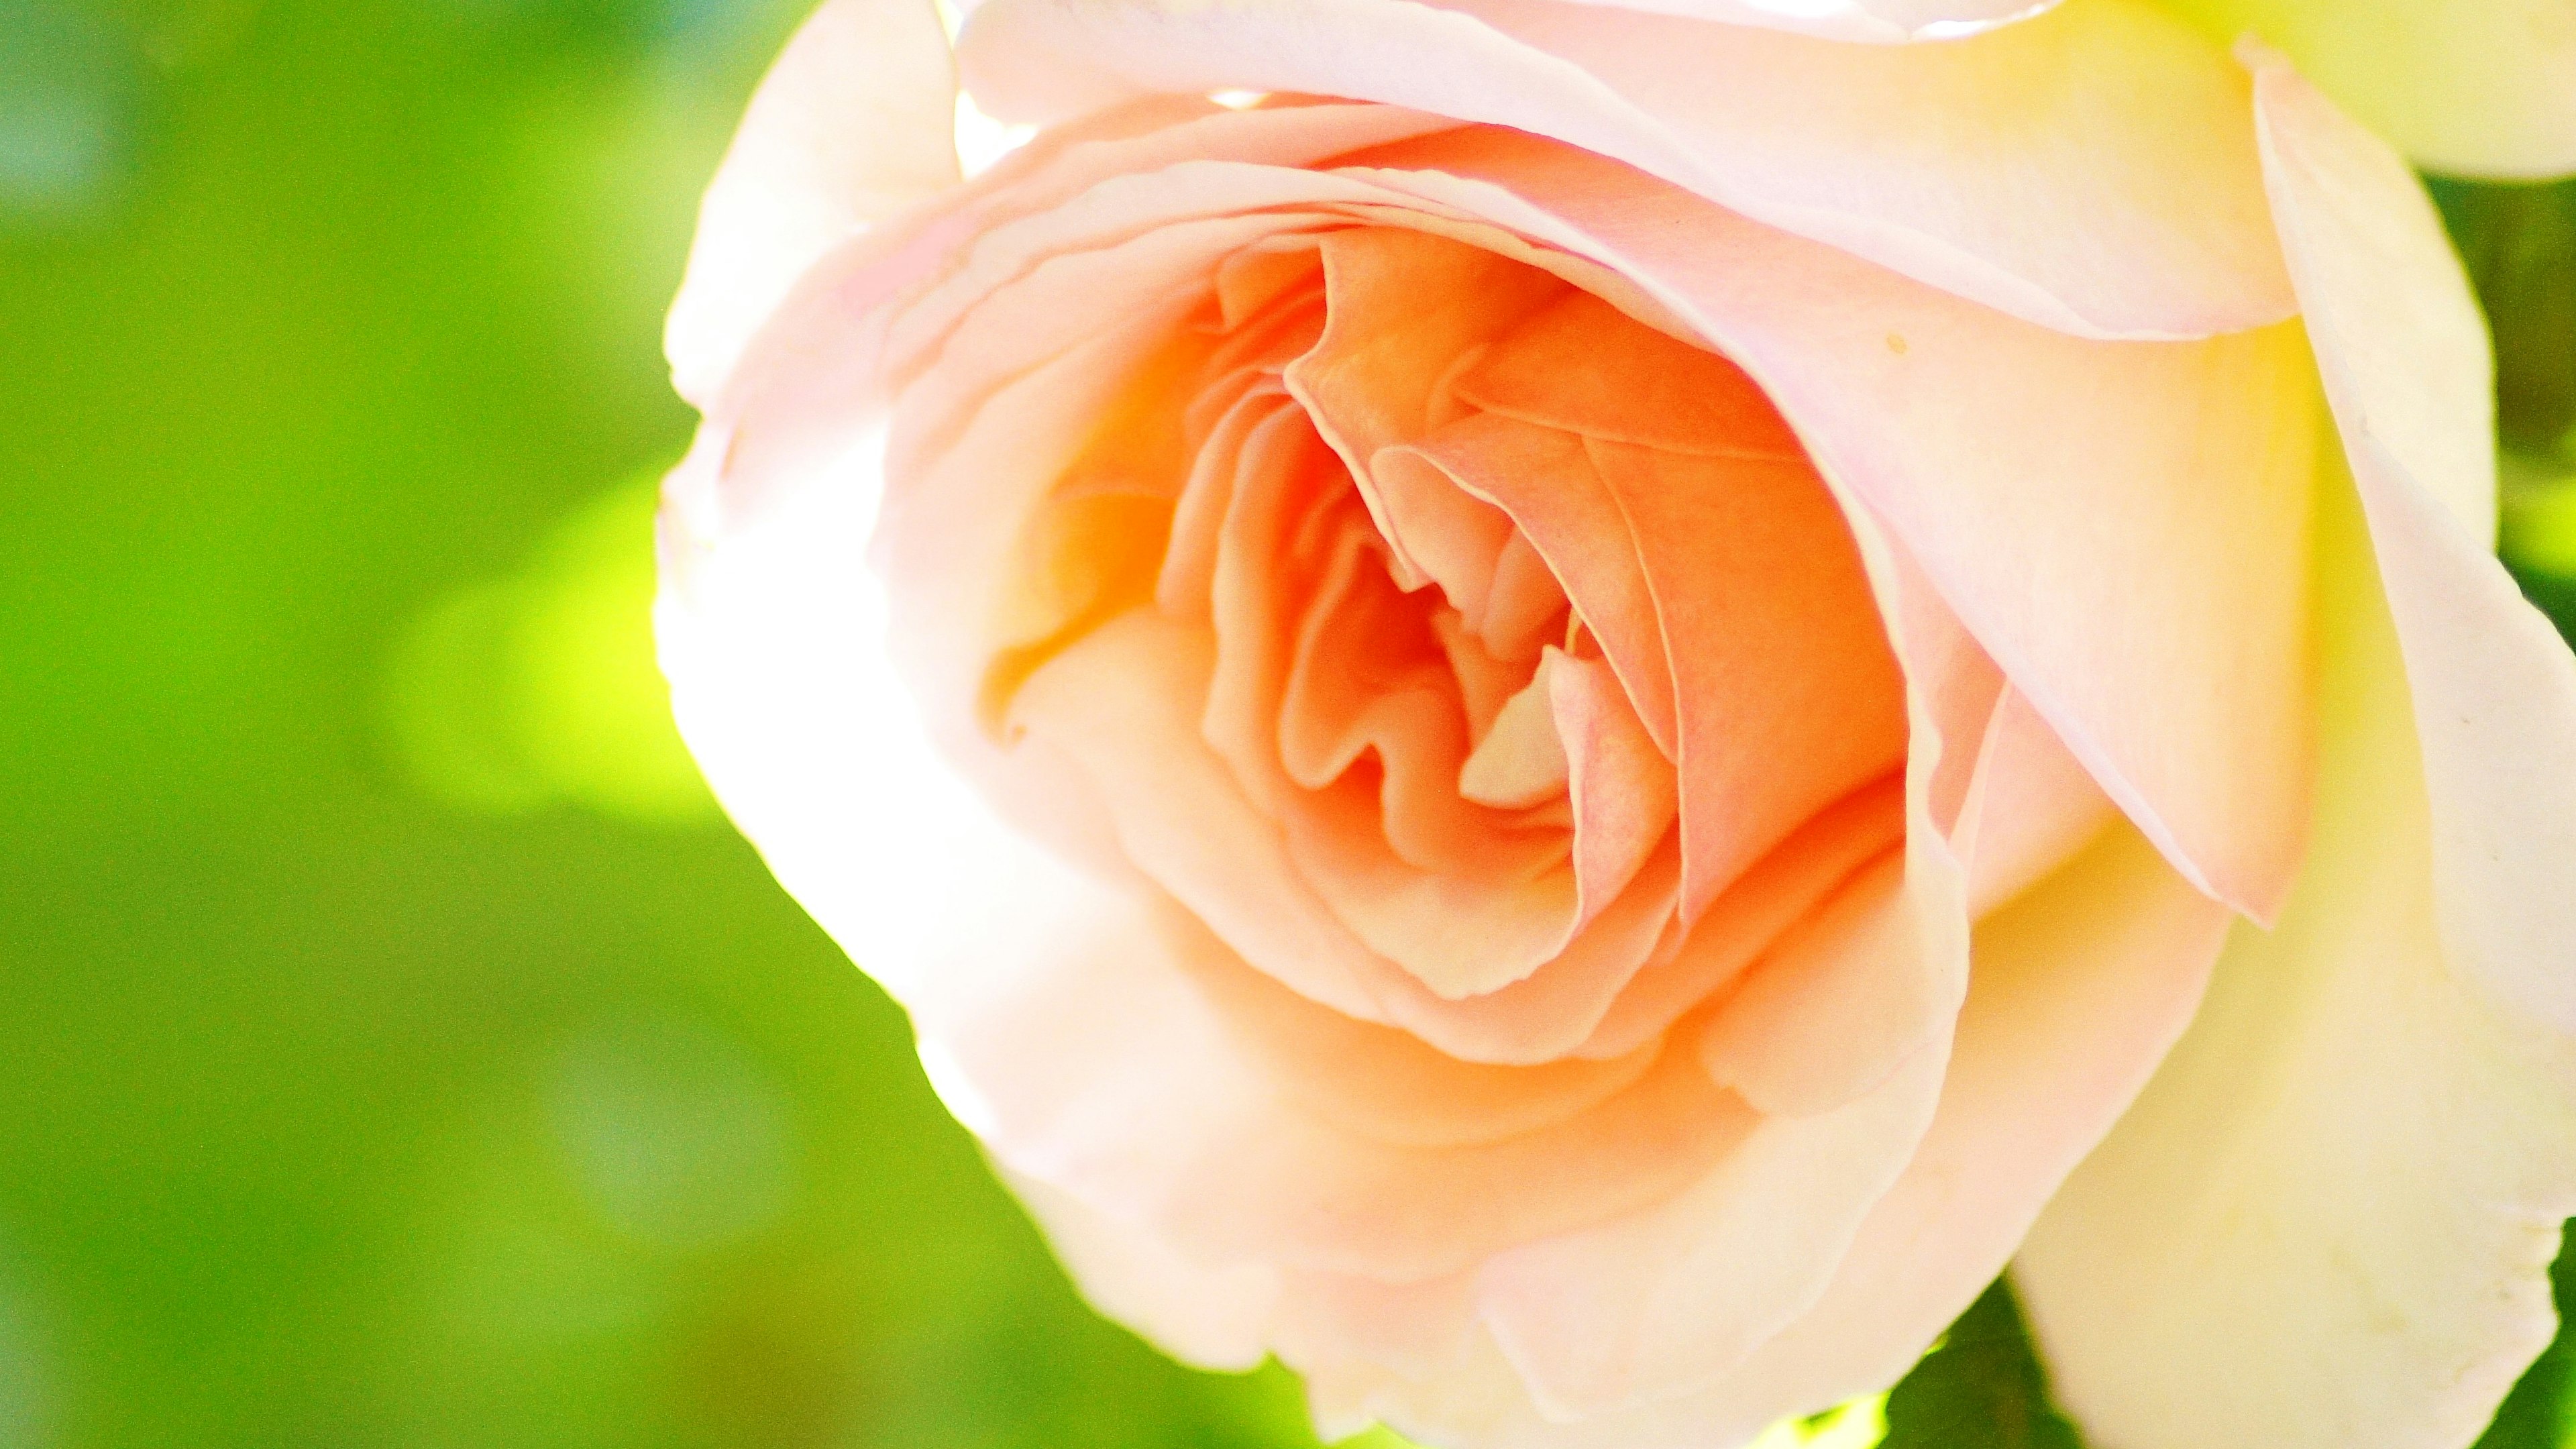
{"points": [[1982, 1388]]}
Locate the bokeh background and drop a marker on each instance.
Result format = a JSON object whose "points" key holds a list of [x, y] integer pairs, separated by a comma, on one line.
{"points": [[396, 1047]]}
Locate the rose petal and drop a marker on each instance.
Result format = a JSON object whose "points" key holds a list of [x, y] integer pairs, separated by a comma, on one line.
{"points": [[1521, 760], [1833, 1008], [1604, 1318], [1403, 308], [1388, 1086], [1212, 1318], [852, 124], [2398, 341], [2078, 990], [2030, 808], [2478, 87], [1116, 1075], [1546, 483], [1791, 697], [2089, 170], [2370, 1129], [1784, 888], [1704, 1279]]}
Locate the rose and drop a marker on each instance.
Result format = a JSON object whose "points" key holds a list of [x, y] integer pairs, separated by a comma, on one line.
{"points": [[1647, 658]]}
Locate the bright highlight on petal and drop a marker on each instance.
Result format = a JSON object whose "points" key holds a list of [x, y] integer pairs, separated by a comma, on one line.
{"points": [[851, 125]]}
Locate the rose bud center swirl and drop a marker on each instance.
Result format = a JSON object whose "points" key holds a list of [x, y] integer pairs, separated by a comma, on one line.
{"points": [[1531, 632]]}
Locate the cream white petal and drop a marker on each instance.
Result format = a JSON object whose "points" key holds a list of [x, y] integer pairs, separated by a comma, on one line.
{"points": [[2328, 1221]]}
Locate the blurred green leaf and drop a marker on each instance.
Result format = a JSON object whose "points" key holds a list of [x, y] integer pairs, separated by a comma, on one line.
{"points": [[2519, 242], [1981, 1388], [2540, 1413]]}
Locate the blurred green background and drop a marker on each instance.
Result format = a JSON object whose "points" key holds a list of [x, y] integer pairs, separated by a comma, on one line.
{"points": [[396, 1049]]}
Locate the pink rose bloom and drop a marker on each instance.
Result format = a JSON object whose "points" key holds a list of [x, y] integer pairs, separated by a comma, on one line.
{"points": [[1568, 711]]}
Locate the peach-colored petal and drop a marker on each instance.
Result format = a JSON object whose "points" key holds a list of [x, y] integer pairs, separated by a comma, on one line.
{"points": [[1608, 1317], [1403, 307], [1834, 1007], [2476, 87], [2030, 807], [850, 126], [2121, 526], [1620, 786], [1117, 713], [1387, 1086], [2089, 170], [1700, 1281], [2370, 1126], [1556, 1008], [1579, 366], [1209, 1317], [1547, 483], [1791, 699], [1114, 1075], [2079, 989], [1521, 760], [1777, 893]]}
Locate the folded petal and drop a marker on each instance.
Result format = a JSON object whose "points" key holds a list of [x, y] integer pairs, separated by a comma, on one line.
{"points": [[853, 123], [1620, 1315], [1627, 1320], [2090, 170], [2077, 990], [2029, 808], [2476, 87], [1834, 1007], [1115, 1073]]}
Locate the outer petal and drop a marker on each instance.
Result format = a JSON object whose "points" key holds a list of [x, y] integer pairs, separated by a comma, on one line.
{"points": [[1212, 1317], [2398, 343], [2327, 1223], [2365, 1147], [2479, 87], [853, 123], [2089, 170]]}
